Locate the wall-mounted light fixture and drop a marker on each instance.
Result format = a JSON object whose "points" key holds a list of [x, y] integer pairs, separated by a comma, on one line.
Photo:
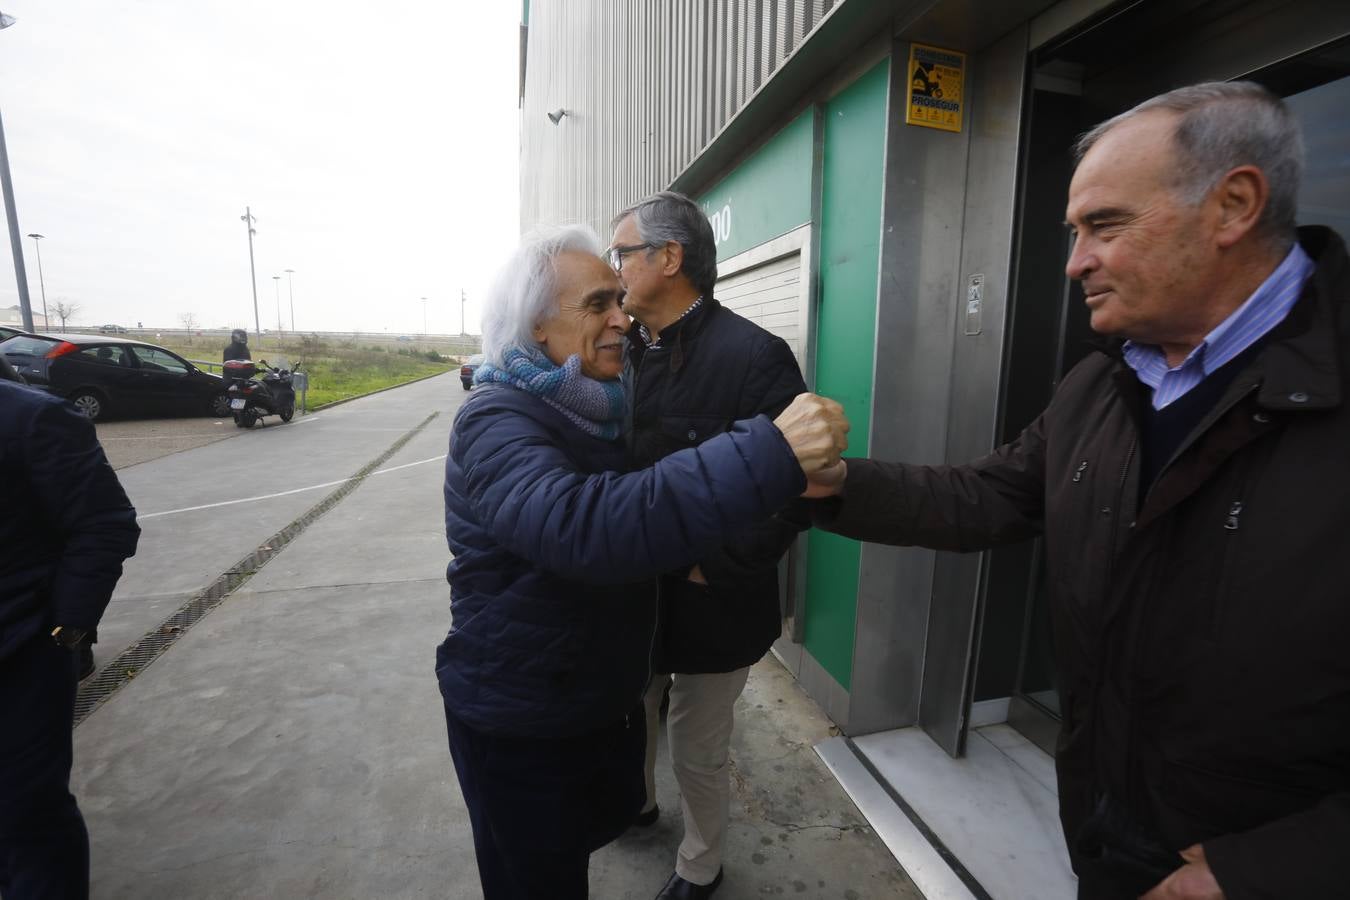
{"points": [[556, 117]]}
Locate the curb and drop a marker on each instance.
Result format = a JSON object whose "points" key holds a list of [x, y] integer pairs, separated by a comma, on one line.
{"points": [[331, 403]]}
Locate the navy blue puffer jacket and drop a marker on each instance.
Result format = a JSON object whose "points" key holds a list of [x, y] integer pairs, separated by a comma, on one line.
{"points": [[553, 588]]}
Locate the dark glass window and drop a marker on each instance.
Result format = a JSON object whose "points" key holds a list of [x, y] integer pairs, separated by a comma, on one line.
{"points": [[27, 347], [107, 356], [160, 361], [1325, 196]]}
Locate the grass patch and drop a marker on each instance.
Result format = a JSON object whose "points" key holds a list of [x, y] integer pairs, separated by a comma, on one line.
{"points": [[338, 370]]}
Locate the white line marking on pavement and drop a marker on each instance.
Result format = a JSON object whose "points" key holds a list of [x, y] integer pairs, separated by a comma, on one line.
{"points": [[411, 464], [312, 487]]}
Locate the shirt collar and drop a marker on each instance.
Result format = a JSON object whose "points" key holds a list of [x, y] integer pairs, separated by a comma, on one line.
{"points": [[1263, 310], [653, 344]]}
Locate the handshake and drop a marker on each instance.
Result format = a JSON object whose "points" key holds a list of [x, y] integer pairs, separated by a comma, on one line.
{"points": [[817, 431]]}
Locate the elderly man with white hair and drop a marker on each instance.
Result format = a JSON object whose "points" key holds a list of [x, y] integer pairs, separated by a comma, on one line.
{"points": [[556, 550]]}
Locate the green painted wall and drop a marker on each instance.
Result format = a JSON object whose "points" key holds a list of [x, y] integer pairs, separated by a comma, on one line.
{"points": [[767, 195], [850, 246]]}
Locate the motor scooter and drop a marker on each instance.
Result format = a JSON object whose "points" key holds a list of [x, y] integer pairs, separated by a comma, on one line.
{"points": [[252, 398]]}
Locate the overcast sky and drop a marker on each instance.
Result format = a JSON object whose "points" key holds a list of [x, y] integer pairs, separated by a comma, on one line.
{"points": [[376, 144]]}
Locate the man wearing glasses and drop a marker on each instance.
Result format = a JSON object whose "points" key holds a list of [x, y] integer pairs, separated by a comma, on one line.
{"points": [[694, 368]]}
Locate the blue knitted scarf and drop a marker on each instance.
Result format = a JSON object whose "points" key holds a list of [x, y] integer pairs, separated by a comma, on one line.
{"points": [[596, 407]]}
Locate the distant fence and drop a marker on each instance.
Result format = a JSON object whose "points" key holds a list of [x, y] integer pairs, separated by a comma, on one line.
{"points": [[454, 344]]}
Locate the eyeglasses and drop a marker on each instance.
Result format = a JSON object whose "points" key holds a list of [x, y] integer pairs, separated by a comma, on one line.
{"points": [[615, 255]]}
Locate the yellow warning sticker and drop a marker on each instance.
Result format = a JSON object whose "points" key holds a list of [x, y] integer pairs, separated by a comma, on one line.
{"points": [[936, 82]]}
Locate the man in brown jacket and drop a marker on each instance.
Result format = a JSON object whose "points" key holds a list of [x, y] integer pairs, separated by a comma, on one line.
{"points": [[1192, 483]]}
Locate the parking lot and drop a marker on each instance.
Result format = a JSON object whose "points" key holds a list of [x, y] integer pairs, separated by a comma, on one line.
{"points": [[132, 441]]}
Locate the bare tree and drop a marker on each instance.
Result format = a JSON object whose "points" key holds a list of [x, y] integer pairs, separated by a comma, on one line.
{"points": [[65, 310], [189, 321]]}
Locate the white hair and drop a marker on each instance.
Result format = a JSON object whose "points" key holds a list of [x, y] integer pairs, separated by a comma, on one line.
{"points": [[523, 293]]}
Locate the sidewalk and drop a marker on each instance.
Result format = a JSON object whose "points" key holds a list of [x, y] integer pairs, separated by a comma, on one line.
{"points": [[291, 743]]}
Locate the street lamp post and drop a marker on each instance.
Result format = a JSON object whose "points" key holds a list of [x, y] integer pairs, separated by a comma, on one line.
{"points": [[247, 219], [290, 287], [15, 241], [42, 284], [462, 332], [276, 283], [424, 317]]}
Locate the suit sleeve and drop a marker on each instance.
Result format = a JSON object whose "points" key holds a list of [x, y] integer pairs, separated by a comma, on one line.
{"points": [[773, 381], [81, 498], [1297, 856], [998, 499], [612, 527]]}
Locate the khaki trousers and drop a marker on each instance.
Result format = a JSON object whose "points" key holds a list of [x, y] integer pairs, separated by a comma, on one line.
{"points": [[698, 726]]}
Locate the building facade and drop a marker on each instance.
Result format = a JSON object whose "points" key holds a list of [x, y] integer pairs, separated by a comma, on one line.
{"points": [[12, 316], [886, 180]]}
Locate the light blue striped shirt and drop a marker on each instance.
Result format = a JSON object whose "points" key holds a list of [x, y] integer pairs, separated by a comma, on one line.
{"points": [[1263, 310]]}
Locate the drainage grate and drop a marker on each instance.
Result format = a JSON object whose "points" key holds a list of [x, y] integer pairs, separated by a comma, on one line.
{"points": [[130, 662]]}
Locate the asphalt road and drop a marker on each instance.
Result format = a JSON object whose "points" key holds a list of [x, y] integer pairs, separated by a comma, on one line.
{"points": [[291, 744], [130, 442], [202, 510]]}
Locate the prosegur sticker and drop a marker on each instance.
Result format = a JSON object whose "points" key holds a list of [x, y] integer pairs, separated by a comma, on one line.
{"points": [[936, 81]]}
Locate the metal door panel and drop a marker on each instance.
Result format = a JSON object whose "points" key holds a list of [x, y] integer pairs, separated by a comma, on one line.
{"points": [[979, 302]]}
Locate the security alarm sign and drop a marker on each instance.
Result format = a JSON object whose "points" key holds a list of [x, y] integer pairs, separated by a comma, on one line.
{"points": [[936, 80]]}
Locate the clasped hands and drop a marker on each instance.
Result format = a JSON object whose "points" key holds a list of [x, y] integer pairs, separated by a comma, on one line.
{"points": [[817, 431]]}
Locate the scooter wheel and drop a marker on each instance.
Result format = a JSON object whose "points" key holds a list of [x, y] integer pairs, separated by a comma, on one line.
{"points": [[287, 413], [245, 419]]}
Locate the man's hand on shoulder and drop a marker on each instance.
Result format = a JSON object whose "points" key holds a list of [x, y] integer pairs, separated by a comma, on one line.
{"points": [[817, 431], [1193, 881]]}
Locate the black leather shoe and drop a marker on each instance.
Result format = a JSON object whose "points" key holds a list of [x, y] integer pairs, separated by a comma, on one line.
{"points": [[679, 889], [647, 819]]}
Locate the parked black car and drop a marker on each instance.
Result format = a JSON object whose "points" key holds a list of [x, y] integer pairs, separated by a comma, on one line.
{"points": [[7, 332], [105, 375], [466, 371]]}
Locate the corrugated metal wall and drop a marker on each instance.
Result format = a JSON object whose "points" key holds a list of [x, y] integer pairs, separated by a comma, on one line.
{"points": [[646, 84]]}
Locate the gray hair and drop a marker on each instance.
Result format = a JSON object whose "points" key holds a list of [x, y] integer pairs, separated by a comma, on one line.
{"points": [[1224, 125], [523, 294], [668, 216]]}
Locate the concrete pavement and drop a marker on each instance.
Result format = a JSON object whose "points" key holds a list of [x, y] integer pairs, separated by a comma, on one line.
{"points": [[292, 744], [129, 442]]}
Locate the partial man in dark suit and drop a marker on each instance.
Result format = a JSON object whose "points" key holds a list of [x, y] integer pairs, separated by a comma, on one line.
{"points": [[68, 528]]}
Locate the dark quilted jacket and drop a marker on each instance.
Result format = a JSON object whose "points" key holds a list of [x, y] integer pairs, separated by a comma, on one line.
{"points": [[553, 594], [713, 368], [67, 525]]}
